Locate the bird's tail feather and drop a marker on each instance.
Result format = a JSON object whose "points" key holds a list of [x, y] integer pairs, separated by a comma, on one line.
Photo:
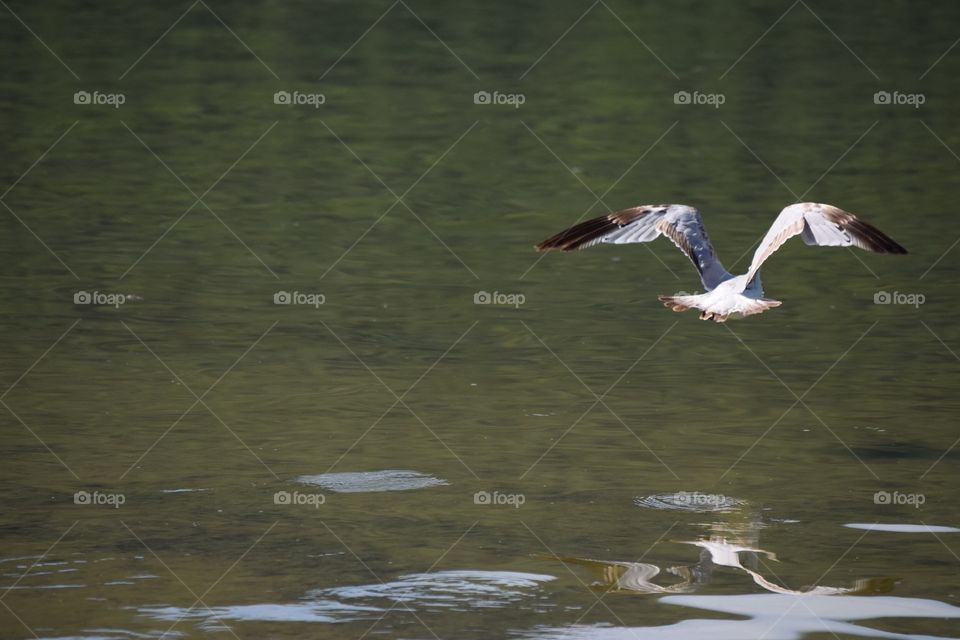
{"points": [[742, 308]]}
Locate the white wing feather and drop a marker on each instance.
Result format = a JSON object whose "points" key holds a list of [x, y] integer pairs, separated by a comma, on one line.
{"points": [[821, 225]]}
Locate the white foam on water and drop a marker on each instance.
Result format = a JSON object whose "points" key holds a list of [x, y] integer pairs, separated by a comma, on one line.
{"points": [[768, 616], [902, 528], [373, 481]]}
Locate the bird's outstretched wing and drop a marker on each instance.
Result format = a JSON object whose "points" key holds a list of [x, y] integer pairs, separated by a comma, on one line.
{"points": [[821, 225], [680, 223]]}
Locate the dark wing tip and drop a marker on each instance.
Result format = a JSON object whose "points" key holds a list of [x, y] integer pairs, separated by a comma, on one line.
{"points": [[544, 246], [898, 249], [874, 239], [563, 241], [579, 235]]}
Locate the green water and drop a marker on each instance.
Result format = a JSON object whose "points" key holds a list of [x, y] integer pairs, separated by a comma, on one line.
{"points": [[198, 398]]}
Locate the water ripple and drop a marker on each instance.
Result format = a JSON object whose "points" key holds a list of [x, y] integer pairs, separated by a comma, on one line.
{"points": [[442, 590], [689, 501]]}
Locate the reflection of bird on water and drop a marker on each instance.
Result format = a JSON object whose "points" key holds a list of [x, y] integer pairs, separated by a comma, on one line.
{"points": [[630, 576], [638, 576], [727, 296], [726, 554], [733, 542]]}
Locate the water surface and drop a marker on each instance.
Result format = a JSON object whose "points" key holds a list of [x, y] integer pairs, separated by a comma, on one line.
{"points": [[209, 298]]}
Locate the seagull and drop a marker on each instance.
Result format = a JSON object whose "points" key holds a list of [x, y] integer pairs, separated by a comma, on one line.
{"points": [[727, 295]]}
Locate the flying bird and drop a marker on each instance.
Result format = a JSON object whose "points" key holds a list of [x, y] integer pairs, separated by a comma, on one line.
{"points": [[727, 295]]}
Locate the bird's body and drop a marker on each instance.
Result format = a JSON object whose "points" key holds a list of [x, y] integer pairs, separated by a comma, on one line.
{"points": [[730, 298], [727, 295]]}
